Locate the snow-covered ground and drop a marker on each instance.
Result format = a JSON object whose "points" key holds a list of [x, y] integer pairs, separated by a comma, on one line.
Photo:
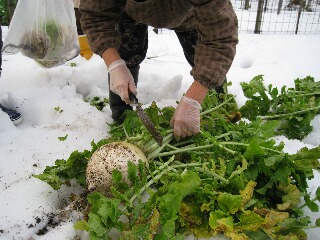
{"points": [[26, 149]]}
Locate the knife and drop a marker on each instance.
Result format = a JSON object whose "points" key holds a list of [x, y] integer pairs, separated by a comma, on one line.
{"points": [[145, 119]]}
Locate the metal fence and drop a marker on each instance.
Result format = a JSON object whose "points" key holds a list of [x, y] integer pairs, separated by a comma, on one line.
{"points": [[278, 16], [255, 16]]}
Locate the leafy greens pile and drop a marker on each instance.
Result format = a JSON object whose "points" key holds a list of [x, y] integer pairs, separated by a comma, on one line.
{"points": [[293, 107], [232, 178]]}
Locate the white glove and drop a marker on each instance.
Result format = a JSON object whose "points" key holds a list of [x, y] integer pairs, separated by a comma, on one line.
{"points": [[121, 80], [186, 118]]}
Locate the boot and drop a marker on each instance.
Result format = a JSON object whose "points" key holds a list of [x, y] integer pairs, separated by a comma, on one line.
{"points": [[222, 91], [85, 50], [117, 106], [15, 116], [222, 88]]}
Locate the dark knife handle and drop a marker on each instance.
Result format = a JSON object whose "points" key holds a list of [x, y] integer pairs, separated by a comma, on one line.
{"points": [[133, 98]]}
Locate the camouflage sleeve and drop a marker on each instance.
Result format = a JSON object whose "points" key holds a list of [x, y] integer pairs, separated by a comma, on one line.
{"points": [[218, 35], [99, 22]]}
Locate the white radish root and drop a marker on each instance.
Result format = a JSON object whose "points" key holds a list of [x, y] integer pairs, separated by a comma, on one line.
{"points": [[108, 157]]}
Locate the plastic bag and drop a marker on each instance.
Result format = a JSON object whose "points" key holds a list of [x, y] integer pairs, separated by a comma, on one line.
{"points": [[44, 30]]}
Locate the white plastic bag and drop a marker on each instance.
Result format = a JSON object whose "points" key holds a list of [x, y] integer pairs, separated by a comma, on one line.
{"points": [[44, 30]]}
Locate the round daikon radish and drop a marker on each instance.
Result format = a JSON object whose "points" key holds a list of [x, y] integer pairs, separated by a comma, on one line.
{"points": [[108, 157]]}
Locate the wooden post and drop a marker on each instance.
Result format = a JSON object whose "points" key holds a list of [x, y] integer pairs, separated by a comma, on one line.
{"points": [[302, 3], [279, 6], [265, 6], [257, 28], [246, 5]]}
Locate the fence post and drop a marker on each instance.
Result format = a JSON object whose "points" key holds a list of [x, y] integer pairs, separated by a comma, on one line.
{"points": [[279, 6], [257, 28], [302, 3], [246, 5]]}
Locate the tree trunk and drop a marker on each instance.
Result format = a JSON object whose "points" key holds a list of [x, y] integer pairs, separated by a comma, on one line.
{"points": [[11, 6], [247, 5]]}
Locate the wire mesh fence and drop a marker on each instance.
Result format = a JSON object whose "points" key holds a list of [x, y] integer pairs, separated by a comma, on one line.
{"points": [[255, 16], [278, 16]]}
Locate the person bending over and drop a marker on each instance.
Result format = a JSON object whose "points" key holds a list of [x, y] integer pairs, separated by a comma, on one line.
{"points": [[207, 31]]}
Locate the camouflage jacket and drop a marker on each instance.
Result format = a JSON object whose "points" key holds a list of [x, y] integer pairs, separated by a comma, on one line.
{"points": [[215, 21]]}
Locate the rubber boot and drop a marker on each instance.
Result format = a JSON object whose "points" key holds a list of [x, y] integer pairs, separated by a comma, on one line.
{"points": [[117, 106], [223, 88], [222, 91], [14, 116], [85, 50]]}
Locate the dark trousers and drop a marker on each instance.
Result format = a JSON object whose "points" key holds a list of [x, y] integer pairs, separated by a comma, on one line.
{"points": [[133, 50], [78, 16], [134, 41]]}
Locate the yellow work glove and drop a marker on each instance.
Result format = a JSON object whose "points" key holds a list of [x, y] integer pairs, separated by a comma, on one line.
{"points": [[85, 50]]}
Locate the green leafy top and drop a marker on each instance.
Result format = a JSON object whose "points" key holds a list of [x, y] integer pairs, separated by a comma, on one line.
{"points": [[232, 178], [294, 107]]}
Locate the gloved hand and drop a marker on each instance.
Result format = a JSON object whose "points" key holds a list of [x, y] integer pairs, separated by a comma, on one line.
{"points": [[186, 118], [85, 50], [121, 80]]}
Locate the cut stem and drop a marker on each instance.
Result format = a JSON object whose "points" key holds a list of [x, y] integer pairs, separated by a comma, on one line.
{"points": [[303, 93], [166, 140], [215, 175], [287, 114], [181, 150], [161, 172], [246, 145], [217, 107]]}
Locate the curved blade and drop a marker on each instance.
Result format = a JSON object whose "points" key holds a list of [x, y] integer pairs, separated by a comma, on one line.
{"points": [[149, 125], [145, 119]]}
